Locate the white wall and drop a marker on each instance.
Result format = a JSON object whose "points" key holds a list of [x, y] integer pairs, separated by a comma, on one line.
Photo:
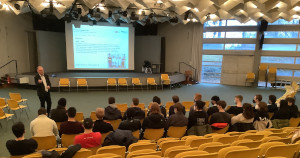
{"points": [[51, 47], [13, 41]]}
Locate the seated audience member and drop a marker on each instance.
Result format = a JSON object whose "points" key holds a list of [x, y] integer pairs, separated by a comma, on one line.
{"points": [[139, 113], [220, 119], [100, 125], [238, 109], [175, 99], [281, 117], [294, 112], [88, 139], [272, 107], [130, 123], [60, 113], [20, 146], [246, 117], [257, 99], [261, 117], [42, 125], [214, 107], [178, 119], [163, 110], [199, 117], [111, 111], [71, 126], [197, 97], [155, 119]]}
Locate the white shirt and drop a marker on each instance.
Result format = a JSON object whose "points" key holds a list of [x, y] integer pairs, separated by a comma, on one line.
{"points": [[43, 126], [44, 82]]}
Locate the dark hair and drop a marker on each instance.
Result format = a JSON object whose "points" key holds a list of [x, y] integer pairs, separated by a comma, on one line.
{"points": [[42, 111], [283, 105], [240, 97], [258, 97], [199, 104], [215, 98], [155, 109], [263, 106], [156, 99], [135, 101], [248, 111], [130, 113], [222, 103], [88, 123], [111, 100], [272, 98], [291, 100], [18, 129], [72, 112], [62, 102], [175, 99], [179, 107]]}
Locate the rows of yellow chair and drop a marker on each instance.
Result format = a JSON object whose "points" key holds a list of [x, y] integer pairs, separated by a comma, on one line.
{"points": [[14, 103], [265, 74], [65, 82], [250, 144]]}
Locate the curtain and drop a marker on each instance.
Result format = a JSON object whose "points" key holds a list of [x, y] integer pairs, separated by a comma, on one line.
{"points": [[197, 36]]}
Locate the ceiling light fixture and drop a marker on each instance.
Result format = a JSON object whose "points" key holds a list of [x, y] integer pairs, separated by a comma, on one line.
{"points": [[196, 9], [278, 5], [212, 16], [297, 8], [159, 1]]}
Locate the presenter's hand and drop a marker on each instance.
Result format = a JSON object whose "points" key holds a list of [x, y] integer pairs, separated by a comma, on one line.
{"points": [[40, 81], [48, 87]]}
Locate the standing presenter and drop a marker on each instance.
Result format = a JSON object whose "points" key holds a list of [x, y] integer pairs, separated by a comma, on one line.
{"points": [[43, 85]]}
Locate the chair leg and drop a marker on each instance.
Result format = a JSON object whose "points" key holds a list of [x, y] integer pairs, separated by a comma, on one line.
{"points": [[77, 88], [69, 89], [170, 86], [15, 113], [162, 86], [27, 105], [26, 114], [156, 87], [106, 88]]}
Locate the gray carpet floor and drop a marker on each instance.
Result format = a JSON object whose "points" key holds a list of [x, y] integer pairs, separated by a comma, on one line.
{"points": [[88, 101]]}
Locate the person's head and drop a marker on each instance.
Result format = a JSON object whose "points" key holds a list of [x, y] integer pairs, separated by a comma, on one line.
{"points": [[221, 104], [100, 113], [257, 98], [155, 109], [290, 101], [62, 102], [156, 99], [40, 70], [135, 101], [283, 104], [130, 113], [197, 96], [248, 111], [42, 111], [214, 99], [238, 99], [178, 107], [262, 106], [71, 112], [175, 99], [18, 129], [199, 105], [111, 100], [88, 123], [272, 99]]}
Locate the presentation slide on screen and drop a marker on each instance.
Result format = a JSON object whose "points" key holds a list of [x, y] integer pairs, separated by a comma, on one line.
{"points": [[99, 47]]}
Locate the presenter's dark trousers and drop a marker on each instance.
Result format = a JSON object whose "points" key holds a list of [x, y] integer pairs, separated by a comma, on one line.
{"points": [[46, 98]]}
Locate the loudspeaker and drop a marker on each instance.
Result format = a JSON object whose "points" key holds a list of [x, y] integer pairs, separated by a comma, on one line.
{"points": [[261, 40], [262, 26]]}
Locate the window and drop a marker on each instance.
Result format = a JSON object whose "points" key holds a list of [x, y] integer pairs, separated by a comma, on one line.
{"points": [[281, 34], [284, 22], [280, 47], [237, 23], [296, 73], [279, 60], [241, 34], [298, 60], [217, 23], [212, 46], [284, 72], [214, 35], [239, 46], [211, 68]]}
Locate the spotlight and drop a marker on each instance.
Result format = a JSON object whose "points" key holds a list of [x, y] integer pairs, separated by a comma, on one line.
{"points": [[186, 15], [174, 20], [17, 6]]}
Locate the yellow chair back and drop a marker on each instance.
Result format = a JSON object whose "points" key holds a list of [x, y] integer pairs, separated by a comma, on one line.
{"points": [[136, 81], [176, 132], [142, 106], [197, 141], [165, 77], [34, 155], [45, 143], [122, 107], [64, 82], [170, 143], [111, 81], [173, 151], [13, 104], [153, 134], [212, 147], [15, 96], [221, 131], [191, 153], [143, 153], [67, 140], [251, 153], [223, 152], [79, 117], [3, 103], [122, 81], [93, 116], [265, 146], [225, 139], [250, 144], [114, 123], [83, 153], [294, 122], [251, 136], [106, 155], [104, 135], [136, 134], [115, 149], [169, 104], [151, 81], [263, 67], [187, 105], [250, 75], [287, 150], [141, 146], [272, 69], [81, 82]]}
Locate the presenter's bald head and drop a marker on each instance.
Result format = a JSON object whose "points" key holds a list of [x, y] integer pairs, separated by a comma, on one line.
{"points": [[40, 70]]}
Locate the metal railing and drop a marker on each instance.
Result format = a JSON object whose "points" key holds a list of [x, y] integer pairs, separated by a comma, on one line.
{"points": [[195, 70], [9, 63]]}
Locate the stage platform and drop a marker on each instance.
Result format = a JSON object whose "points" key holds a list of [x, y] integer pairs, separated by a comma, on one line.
{"points": [[97, 79]]}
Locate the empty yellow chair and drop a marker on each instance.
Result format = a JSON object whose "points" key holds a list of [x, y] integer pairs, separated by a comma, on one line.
{"points": [[144, 153], [212, 147], [122, 108], [249, 153], [142, 106], [190, 136], [107, 155], [251, 136], [262, 73], [153, 134], [115, 149], [191, 153], [17, 97], [294, 122], [165, 80], [247, 142], [281, 135], [67, 140], [114, 123], [168, 105], [34, 155], [220, 131], [111, 82], [64, 82], [83, 153], [148, 156], [165, 139], [176, 132], [122, 82], [287, 150], [284, 140], [14, 106], [187, 105], [272, 74], [265, 146], [79, 117], [3, 103], [170, 143], [197, 141], [136, 82], [267, 139], [141, 146], [225, 139], [274, 130], [136, 134], [104, 135], [81, 82], [235, 133], [173, 151], [250, 78], [5, 116], [45, 143], [151, 82], [223, 152], [93, 116]]}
